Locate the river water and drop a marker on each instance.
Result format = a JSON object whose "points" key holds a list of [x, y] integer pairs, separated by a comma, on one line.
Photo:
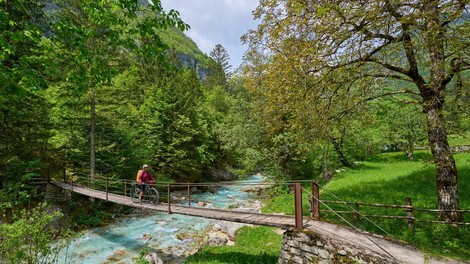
{"points": [[172, 236]]}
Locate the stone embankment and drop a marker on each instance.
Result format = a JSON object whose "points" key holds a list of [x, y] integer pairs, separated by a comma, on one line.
{"points": [[321, 242]]}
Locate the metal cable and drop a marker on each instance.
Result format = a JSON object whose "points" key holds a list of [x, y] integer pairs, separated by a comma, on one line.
{"points": [[354, 227]]}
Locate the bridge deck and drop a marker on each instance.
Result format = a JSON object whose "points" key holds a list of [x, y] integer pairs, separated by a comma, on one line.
{"points": [[282, 221]]}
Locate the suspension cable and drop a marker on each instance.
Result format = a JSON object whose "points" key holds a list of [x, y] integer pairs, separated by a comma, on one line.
{"points": [[354, 227]]}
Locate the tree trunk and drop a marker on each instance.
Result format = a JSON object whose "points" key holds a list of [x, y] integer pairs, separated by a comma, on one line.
{"points": [[338, 145], [446, 178], [92, 136], [433, 95]]}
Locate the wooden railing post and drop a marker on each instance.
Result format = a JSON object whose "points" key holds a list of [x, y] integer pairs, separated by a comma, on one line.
{"points": [[409, 214], [358, 215], [315, 202], [106, 188], [125, 187], [189, 196], [169, 199], [71, 183], [298, 206]]}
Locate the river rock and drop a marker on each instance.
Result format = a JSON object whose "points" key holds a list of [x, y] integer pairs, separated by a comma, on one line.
{"points": [[217, 239], [153, 258], [229, 228]]}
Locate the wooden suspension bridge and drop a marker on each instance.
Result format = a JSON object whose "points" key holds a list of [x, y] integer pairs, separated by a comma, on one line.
{"points": [[274, 220]]}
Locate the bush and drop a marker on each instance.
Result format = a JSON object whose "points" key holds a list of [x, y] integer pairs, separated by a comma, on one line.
{"points": [[31, 238]]}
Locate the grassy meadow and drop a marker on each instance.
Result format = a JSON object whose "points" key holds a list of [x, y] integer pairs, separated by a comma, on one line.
{"points": [[390, 178]]}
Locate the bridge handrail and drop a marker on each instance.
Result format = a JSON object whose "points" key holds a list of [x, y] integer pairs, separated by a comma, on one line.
{"points": [[121, 186]]}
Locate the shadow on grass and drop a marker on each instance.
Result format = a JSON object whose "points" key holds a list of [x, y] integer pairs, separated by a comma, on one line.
{"points": [[421, 155], [231, 258]]}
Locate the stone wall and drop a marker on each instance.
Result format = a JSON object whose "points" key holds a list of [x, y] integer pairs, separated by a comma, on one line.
{"points": [[308, 247], [55, 194]]}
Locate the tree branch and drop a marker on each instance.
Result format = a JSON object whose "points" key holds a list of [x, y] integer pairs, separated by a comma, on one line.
{"points": [[391, 94]]}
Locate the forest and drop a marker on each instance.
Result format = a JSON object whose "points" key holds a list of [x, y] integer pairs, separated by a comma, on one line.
{"points": [[95, 89]]}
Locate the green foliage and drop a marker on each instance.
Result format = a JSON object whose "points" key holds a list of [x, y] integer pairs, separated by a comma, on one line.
{"points": [[31, 238], [96, 218], [253, 245], [234, 126], [173, 135], [141, 259], [17, 191]]}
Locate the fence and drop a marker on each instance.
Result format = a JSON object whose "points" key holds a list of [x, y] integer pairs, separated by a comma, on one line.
{"points": [[408, 209]]}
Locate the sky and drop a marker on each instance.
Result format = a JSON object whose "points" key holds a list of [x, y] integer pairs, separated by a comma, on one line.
{"points": [[217, 22]]}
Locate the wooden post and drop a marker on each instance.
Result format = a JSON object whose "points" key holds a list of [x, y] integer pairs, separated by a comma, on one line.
{"points": [[125, 187], [169, 199], [409, 214], [358, 215], [189, 196], [298, 206], [106, 188], [315, 210]]}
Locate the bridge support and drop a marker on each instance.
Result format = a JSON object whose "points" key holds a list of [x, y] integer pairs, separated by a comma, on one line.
{"points": [[298, 206], [316, 246], [169, 199], [315, 202]]}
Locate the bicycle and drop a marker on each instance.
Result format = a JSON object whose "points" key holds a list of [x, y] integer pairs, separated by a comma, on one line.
{"points": [[150, 194]]}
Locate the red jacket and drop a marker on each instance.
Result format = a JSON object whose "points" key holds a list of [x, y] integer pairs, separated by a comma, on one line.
{"points": [[145, 177]]}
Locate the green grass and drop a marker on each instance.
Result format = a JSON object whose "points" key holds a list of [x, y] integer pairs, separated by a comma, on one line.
{"points": [[389, 179], [253, 245], [463, 139]]}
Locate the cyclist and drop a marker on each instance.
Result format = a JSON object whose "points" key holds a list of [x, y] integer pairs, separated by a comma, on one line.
{"points": [[144, 178]]}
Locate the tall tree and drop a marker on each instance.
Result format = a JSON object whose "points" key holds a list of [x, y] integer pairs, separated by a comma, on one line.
{"points": [[424, 44], [220, 68], [173, 135], [220, 55], [23, 111]]}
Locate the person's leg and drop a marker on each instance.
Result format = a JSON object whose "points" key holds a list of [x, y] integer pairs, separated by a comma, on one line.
{"points": [[144, 189], [142, 186]]}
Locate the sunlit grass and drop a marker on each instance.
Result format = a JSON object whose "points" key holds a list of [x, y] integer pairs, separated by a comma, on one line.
{"points": [[389, 179], [463, 139], [253, 245]]}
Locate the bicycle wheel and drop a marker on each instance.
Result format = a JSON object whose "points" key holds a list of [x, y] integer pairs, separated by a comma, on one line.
{"points": [[152, 196], [134, 193]]}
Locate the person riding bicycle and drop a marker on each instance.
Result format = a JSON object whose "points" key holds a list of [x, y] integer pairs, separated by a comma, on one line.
{"points": [[144, 178]]}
